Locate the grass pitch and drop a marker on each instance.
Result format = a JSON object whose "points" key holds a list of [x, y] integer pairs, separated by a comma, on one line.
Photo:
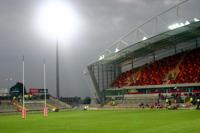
{"points": [[106, 121]]}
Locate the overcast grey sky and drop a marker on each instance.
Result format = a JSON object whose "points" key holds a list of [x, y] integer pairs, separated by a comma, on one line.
{"points": [[103, 22]]}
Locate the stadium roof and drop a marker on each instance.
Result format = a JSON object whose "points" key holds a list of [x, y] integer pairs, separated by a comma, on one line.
{"points": [[164, 40], [163, 31]]}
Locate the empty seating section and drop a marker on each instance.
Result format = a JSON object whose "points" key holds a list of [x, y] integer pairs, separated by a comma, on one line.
{"points": [[155, 73]]}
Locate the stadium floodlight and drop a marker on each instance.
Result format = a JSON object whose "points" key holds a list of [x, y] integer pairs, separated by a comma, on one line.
{"points": [[178, 25], [144, 38], [181, 24], [116, 50], [57, 19], [196, 20], [174, 26], [101, 57], [187, 22], [171, 27]]}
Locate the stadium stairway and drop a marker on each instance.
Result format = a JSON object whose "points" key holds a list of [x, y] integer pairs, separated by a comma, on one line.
{"points": [[138, 73], [57, 103], [18, 106], [172, 75]]}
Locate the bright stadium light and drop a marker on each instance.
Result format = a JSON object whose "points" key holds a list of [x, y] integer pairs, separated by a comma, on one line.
{"points": [[57, 18], [144, 38], [196, 20], [181, 25], [187, 22], [116, 50], [178, 25], [101, 57], [174, 26]]}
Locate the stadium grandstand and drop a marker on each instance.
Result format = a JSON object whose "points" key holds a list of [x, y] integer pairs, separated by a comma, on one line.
{"points": [[157, 61]]}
